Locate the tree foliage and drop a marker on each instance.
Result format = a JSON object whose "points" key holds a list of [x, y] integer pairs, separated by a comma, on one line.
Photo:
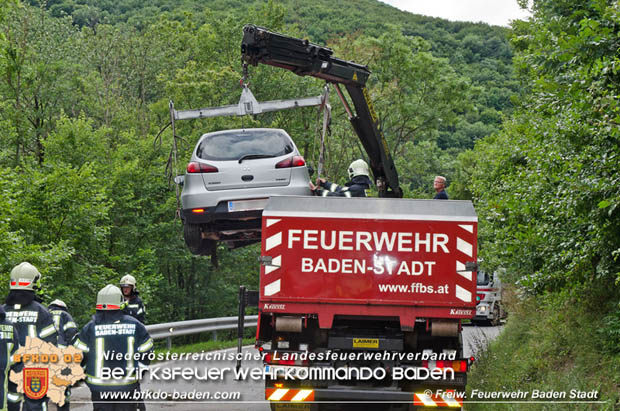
{"points": [[548, 184]]}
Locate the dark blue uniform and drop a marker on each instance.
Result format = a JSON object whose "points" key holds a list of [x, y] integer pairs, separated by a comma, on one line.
{"points": [[67, 330], [9, 343], [112, 340], [66, 327], [442, 195], [355, 188], [31, 319], [135, 308]]}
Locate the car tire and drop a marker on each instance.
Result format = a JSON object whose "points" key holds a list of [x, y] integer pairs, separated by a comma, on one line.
{"points": [[194, 241]]}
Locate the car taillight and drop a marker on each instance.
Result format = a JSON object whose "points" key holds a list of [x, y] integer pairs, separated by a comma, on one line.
{"points": [[295, 161], [195, 167]]}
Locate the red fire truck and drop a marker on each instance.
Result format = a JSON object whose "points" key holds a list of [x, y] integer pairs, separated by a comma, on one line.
{"points": [[361, 299]]}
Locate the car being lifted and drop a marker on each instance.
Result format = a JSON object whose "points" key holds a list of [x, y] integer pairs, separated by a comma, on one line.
{"points": [[228, 181]]}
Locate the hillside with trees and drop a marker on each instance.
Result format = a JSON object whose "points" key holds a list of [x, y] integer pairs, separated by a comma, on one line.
{"points": [[84, 91]]}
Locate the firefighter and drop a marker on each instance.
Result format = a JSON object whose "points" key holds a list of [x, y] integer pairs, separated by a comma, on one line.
{"points": [[30, 319], [113, 340], [9, 343], [357, 187], [67, 330], [135, 306]]}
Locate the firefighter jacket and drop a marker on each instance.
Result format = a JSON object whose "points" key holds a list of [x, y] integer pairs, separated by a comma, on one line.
{"points": [[9, 343], [113, 341], [66, 327], [30, 317], [135, 308], [355, 188]]}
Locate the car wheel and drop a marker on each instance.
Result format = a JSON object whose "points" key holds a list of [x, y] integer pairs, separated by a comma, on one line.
{"points": [[194, 241]]}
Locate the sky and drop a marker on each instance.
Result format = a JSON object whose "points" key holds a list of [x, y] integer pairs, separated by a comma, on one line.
{"points": [[496, 12]]}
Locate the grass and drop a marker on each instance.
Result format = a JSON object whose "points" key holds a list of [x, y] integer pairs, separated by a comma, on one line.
{"points": [[552, 343]]}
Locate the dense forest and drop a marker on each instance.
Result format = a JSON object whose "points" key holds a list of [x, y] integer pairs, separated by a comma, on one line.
{"points": [[85, 86], [523, 121]]}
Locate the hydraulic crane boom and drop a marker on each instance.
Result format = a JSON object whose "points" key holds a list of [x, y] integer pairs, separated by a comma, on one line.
{"points": [[303, 58]]}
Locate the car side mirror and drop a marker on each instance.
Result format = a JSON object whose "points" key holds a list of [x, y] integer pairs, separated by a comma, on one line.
{"points": [[310, 170], [179, 180]]}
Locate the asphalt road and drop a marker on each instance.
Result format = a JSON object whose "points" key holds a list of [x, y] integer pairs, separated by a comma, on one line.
{"points": [[250, 391]]}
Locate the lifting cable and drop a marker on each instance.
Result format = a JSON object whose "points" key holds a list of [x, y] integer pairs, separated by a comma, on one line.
{"points": [[327, 116]]}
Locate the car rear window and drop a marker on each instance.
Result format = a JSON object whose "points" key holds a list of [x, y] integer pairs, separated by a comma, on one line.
{"points": [[232, 145]]}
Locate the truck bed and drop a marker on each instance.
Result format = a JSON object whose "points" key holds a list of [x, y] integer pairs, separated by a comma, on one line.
{"points": [[368, 256]]}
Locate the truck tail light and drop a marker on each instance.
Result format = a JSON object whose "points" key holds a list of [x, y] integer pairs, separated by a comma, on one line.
{"points": [[456, 365], [196, 167], [295, 161], [292, 359]]}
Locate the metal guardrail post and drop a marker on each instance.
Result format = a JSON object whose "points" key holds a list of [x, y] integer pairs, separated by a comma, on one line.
{"points": [[214, 335], [169, 342]]}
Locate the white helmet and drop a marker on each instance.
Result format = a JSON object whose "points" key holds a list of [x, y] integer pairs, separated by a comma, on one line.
{"points": [[59, 303], [128, 279], [358, 168], [110, 298], [25, 276]]}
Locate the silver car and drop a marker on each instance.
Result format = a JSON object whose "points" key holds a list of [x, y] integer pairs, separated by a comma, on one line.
{"points": [[228, 181]]}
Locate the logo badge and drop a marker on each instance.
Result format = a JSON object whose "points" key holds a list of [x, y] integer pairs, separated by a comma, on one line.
{"points": [[36, 382]]}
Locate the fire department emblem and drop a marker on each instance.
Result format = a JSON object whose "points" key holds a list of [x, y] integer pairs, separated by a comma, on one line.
{"points": [[36, 382]]}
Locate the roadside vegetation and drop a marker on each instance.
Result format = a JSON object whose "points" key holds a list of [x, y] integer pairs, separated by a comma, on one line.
{"points": [[547, 189]]}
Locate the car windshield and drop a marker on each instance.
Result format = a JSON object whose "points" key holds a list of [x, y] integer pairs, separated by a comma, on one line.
{"points": [[234, 145], [483, 278]]}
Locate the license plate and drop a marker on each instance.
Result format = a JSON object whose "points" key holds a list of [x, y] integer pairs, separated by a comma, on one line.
{"points": [[247, 205]]}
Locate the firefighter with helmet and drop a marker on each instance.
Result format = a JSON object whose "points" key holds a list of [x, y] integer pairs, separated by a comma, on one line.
{"points": [[135, 306], [9, 343], [67, 330], [359, 174], [113, 340], [31, 319]]}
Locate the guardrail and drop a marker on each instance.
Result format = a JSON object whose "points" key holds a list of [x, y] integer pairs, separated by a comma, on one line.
{"points": [[178, 328]]}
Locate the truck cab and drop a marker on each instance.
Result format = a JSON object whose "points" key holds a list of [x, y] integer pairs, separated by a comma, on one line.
{"points": [[489, 308]]}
